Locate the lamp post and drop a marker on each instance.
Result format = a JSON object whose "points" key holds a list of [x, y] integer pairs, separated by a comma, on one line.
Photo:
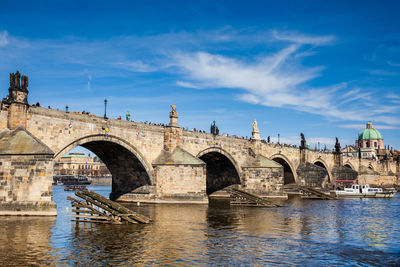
{"points": [[279, 138], [105, 108]]}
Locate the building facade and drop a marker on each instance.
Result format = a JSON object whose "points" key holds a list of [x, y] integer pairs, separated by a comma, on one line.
{"points": [[370, 143], [80, 164]]}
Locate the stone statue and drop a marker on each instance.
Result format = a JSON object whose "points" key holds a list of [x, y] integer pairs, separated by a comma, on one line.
{"points": [[12, 80], [303, 143], [255, 128], [255, 135], [24, 82], [17, 79], [214, 129], [337, 146], [128, 116], [173, 112], [173, 117]]}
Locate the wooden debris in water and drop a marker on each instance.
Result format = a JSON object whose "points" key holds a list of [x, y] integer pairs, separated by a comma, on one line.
{"points": [[313, 193], [97, 209], [243, 198]]}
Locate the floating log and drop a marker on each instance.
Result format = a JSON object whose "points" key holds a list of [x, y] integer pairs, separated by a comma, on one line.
{"points": [[108, 211], [241, 197]]}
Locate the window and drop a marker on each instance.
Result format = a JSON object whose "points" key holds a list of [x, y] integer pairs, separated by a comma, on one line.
{"points": [[367, 144], [375, 144]]}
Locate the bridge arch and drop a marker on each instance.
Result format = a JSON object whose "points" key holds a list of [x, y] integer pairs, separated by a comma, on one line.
{"points": [[290, 174], [321, 163], [349, 165], [128, 166], [221, 170]]}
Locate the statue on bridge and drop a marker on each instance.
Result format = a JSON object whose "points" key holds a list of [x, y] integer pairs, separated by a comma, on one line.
{"points": [[214, 129], [337, 146], [256, 133], [173, 112], [16, 93], [303, 143], [173, 117], [24, 83]]}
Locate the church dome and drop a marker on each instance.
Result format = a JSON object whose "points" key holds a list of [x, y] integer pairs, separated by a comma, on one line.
{"points": [[369, 133]]}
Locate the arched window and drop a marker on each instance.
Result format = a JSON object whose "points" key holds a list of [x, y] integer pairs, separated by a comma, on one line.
{"points": [[367, 143]]}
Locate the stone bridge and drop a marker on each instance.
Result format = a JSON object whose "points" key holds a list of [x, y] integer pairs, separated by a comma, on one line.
{"points": [[157, 163]]}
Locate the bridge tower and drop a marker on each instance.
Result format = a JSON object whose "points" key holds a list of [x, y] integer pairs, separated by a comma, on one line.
{"points": [[17, 101]]}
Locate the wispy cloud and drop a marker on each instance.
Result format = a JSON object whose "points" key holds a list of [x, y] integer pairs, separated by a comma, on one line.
{"points": [[394, 64], [278, 80], [188, 85], [3, 38], [136, 66], [382, 72], [89, 86], [300, 38]]}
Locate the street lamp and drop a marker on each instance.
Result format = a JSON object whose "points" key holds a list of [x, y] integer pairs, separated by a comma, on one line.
{"points": [[105, 108]]}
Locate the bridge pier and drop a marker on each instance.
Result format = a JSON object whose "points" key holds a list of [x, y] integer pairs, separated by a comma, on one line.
{"points": [[263, 177], [26, 164]]}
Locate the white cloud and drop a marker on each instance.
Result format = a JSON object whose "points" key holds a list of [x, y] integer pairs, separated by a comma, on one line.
{"points": [[188, 85], [394, 64], [89, 86], [302, 38], [279, 80], [136, 66], [3, 38]]}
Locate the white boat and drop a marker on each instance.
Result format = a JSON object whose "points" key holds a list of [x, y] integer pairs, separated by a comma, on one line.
{"points": [[364, 191]]}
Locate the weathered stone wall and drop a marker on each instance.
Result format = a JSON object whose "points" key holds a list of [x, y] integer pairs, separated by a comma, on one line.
{"points": [[311, 175], [187, 182], [16, 116], [3, 119], [263, 181], [32, 178], [26, 179]]}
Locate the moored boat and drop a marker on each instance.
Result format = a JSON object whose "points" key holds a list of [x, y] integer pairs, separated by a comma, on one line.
{"points": [[363, 191], [74, 187]]}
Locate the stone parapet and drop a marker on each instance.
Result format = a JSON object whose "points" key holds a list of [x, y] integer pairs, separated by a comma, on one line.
{"points": [[28, 208]]}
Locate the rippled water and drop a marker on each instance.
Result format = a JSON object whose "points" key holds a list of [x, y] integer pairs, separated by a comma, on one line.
{"points": [[351, 231]]}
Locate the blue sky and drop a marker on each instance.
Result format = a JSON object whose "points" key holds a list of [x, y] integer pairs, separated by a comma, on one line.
{"points": [[323, 68]]}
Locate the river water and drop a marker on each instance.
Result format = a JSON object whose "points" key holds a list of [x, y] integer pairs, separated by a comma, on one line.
{"points": [[358, 232]]}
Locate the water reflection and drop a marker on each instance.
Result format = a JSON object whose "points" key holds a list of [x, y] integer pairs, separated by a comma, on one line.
{"points": [[352, 232], [26, 240]]}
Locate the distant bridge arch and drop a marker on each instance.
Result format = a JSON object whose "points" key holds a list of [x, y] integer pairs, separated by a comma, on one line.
{"points": [[290, 174], [321, 163], [222, 170]]}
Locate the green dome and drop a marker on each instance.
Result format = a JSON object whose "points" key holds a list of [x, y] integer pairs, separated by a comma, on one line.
{"points": [[369, 133]]}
